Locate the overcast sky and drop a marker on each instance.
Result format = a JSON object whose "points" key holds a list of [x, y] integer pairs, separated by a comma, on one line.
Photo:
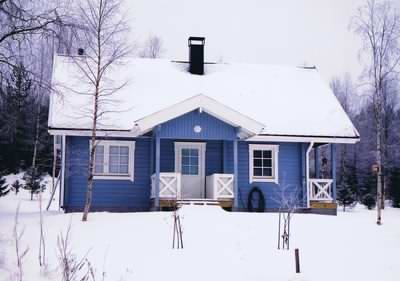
{"points": [[294, 32]]}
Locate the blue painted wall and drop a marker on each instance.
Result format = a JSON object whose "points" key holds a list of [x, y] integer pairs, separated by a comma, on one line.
{"points": [[211, 128], [117, 195], [290, 174], [127, 195], [214, 156]]}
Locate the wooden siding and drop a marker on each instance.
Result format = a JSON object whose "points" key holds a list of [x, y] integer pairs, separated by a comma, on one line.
{"points": [[214, 156], [127, 195], [290, 174], [211, 128], [108, 194]]}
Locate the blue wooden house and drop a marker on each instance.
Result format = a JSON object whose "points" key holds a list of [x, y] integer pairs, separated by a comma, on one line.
{"points": [[193, 131]]}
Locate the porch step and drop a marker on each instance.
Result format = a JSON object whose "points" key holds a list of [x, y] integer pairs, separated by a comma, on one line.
{"points": [[198, 202]]}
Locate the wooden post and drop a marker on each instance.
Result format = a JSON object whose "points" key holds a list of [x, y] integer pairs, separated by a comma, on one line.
{"points": [[297, 260], [333, 170], [236, 174], [316, 162], [157, 179]]}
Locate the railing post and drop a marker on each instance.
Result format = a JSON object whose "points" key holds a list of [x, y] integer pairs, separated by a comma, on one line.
{"points": [[157, 179]]}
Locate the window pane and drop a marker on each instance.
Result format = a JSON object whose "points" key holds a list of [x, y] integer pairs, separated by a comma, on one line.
{"points": [[257, 162], [257, 153], [123, 169], [194, 152], [98, 169], [267, 153], [185, 170], [267, 163], [185, 160], [186, 152], [194, 170], [113, 168], [257, 172], [267, 172], [124, 150], [124, 159], [114, 159], [114, 149], [194, 161]]}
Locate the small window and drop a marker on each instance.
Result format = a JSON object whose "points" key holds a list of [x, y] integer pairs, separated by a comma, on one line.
{"points": [[114, 160], [190, 161], [263, 163]]}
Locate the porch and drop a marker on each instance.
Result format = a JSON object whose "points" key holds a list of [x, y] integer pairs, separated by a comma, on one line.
{"points": [[218, 190], [200, 172]]}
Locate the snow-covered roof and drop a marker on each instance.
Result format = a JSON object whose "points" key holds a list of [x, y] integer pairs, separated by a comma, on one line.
{"points": [[262, 99]]}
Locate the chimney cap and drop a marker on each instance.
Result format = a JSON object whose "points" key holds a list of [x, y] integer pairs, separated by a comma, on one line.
{"points": [[194, 40]]}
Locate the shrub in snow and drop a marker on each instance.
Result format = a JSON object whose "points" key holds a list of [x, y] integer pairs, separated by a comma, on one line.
{"points": [[345, 196], [16, 186], [369, 201], [4, 188], [395, 187]]}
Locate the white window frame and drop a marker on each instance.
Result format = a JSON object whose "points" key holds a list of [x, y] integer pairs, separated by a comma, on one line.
{"points": [[131, 160], [275, 163]]}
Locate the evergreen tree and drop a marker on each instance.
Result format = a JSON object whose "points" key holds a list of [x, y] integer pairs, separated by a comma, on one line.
{"points": [[16, 114], [347, 188], [16, 186], [345, 196], [369, 201], [4, 188], [395, 187], [368, 190], [33, 182]]}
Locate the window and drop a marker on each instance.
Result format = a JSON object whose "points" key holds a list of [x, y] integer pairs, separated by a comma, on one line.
{"points": [[114, 160], [263, 163], [190, 161]]}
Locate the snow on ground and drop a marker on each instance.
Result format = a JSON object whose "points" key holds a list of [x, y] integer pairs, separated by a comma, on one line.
{"points": [[218, 245]]}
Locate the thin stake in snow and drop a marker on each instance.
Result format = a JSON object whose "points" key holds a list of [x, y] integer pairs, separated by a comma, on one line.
{"points": [[177, 233]]}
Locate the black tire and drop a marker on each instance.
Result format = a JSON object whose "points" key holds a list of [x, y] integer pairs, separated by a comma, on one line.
{"points": [[261, 200]]}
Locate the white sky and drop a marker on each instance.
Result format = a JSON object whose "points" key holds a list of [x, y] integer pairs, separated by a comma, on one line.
{"points": [[315, 32]]}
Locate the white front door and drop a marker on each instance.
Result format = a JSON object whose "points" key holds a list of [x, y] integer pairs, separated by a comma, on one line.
{"points": [[190, 162]]}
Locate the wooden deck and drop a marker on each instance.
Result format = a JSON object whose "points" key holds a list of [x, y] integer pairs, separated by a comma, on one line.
{"points": [[166, 204]]}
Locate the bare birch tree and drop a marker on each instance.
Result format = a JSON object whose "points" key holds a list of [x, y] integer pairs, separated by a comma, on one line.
{"points": [[378, 24], [153, 47], [104, 36]]}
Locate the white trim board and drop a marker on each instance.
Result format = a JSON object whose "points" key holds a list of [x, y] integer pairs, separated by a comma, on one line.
{"points": [[272, 138], [131, 159], [275, 162], [206, 104]]}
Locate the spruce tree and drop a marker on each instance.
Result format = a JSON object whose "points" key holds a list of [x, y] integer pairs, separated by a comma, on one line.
{"points": [[347, 188], [33, 182], [4, 188]]}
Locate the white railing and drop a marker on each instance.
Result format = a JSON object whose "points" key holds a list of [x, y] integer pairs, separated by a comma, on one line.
{"points": [[320, 189], [220, 186], [170, 185]]}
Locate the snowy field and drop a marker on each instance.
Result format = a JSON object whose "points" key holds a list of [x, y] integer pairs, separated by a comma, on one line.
{"points": [[218, 245]]}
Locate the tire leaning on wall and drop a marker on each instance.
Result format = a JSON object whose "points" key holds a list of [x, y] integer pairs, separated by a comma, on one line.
{"points": [[261, 200]]}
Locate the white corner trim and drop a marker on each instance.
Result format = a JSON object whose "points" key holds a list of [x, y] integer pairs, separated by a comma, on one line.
{"points": [[131, 161], [275, 162]]}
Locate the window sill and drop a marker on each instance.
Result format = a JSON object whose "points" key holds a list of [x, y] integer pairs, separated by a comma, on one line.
{"points": [[274, 180], [113, 177]]}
